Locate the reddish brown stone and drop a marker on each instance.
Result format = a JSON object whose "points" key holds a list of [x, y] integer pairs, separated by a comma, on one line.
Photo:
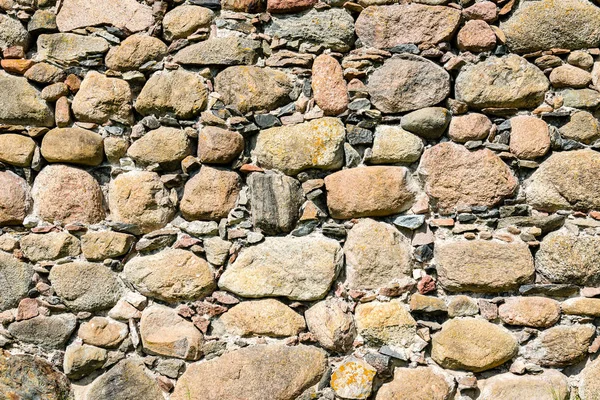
{"points": [[16, 66], [285, 6], [329, 85], [62, 112], [14, 52], [249, 6], [426, 285], [219, 146], [529, 138], [73, 82], [28, 308], [476, 36], [14, 199]]}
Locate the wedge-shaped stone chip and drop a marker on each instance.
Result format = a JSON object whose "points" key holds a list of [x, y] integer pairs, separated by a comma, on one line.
{"points": [[128, 14], [73, 145], [22, 104], [549, 385], [421, 383]]}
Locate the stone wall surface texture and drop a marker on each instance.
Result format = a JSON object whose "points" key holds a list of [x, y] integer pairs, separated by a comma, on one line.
{"points": [[299, 199]]}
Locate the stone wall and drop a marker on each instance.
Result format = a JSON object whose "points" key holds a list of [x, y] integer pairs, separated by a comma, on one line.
{"points": [[294, 200]]}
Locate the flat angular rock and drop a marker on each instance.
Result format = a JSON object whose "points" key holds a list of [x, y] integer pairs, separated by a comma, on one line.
{"points": [[387, 26], [369, 192], [250, 88], [385, 323], [332, 324], [483, 266], [122, 14], [333, 28], [547, 24], [393, 144], [67, 194], [242, 374], [50, 333], [566, 181], [16, 280], [134, 52], [128, 380], [170, 275], [101, 99], [329, 86], [50, 246], [549, 385], [561, 345], [98, 246], [140, 198], [74, 146], [288, 6], [219, 146], [184, 20], [165, 333], [15, 199], [537, 312], [508, 81], [103, 332], [409, 383], [12, 33], [407, 82], [275, 200], [16, 150], [220, 51], [315, 144], [589, 386], [164, 146], [473, 345], [376, 254], [456, 177], [297, 268], [21, 103], [86, 286], [70, 49]]}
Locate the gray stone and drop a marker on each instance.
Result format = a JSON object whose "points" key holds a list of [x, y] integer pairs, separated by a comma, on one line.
{"points": [[123, 14], [70, 49], [21, 103], [411, 222], [81, 360], [12, 33], [51, 332], [128, 380], [17, 277], [220, 51], [429, 123], [561, 345], [581, 98]]}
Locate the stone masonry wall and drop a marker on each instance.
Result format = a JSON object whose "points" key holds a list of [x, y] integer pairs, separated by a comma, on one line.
{"points": [[299, 199]]}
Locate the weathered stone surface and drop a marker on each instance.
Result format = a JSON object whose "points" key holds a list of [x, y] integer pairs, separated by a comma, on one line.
{"points": [[48, 332], [70, 49], [353, 379], [17, 277], [101, 99], [429, 123], [166, 333], [128, 14], [267, 317], [21, 103], [369, 192], [164, 146], [581, 306], [140, 198], [128, 380], [407, 82], [210, 194], [427, 304], [181, 93], [291, 149], [49, 246], [393, 144], [456, 177], [12, 33], [529, 137], [16, 150], [275, 200], [250, 88], [246, 6], [73, 145], [184, 20], [569, 76], [561, 345], [297, 268], [66, 194], [509, 81], [287, 6], [582, 127], [219, 146], [549, 385], [483, 266], [472, 344], [476, 36], [44, 73], [589, 386], [421, 383], [134, 52], [333, 28], [376, 254], [332, 324], [81, 360], [103, 332], [216, 250], [537, 312], [289, 371], [566, 180], [471, 126], [98, 246], [25, 374], [14, 198], [388, 26], [328, 85], [220, 51], [170, 275], [385, 323], [85, 286], [547, 24]]}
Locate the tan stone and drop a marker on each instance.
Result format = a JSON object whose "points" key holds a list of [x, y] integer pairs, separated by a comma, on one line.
{"points": [[462, 306], [581, 306], [392, 144], [115, 148], [134, 52], [427, 304], [219, 146], [98, 246], [16, 280], [332, 324], [471, 126], [476, 36], [549, 385], [421, 383], [103, 332], [590, 381], [537, 312], [328, 85], [81, 360], [582, 126], [472, 344], [164, 146], [369, 192], [16, 150], [128, 380], [101, 99], [128, 14], [561, 345], [15, 199], [73, 145], [69, 49], [49, 246], [21, 103], [529, 137], [210, 194], [353, 379], [570, 76], [182, 21], [385, 323]]}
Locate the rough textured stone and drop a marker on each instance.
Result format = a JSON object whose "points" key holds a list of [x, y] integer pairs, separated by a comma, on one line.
{"points": [[369, 192], [472, 344], [134, 52], [170, 275], [296, 268], [73, 145], [407, 82], [329, 85], [219, 146], [316, 144], [16, 150], [332, 324], [48, 332], [421, 383], [21, 103], [101, 99], [140, 198], [128, 14], [581, 98], [128, 380], [385, 323], [183, 21], [456, 177], [49, 246], [476, 36], [98, 246], [178, 92], [582, 127], [103, 332], [333, 28], [483, 266], [393, 144], [164, 146], [537, 312], [590, 384], [220, 51], [581, 306], [14, 199], [250, 88], [569, 76], [549, 385], [353, 379], [67, 194], [287, 6], [509, 81], [376, 254], [389, 26], [69, 49], [471, 126], [529, 137], [81, 360], [247, 6], [17, 277], [12, 33], [166, 333], [85, 286], [561, 345], [210, 194], [429, 123]]}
